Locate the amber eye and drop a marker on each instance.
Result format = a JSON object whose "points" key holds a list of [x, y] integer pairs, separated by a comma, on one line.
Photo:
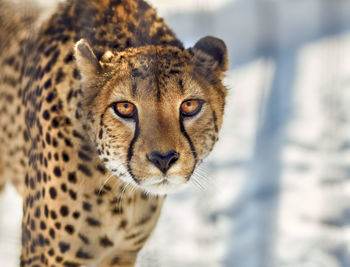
{"points": [[124, 109], [191, 107]]}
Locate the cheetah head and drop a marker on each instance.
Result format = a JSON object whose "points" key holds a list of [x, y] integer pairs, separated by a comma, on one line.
{"points": [[155, 111]]}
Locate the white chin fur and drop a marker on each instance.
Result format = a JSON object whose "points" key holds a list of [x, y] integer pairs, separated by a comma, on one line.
{"points": [[162, 185], [160, 189], [151, 185]]}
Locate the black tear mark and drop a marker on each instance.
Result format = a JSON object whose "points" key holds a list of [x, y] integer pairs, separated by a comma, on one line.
{"points": [[215, 122], [131, 147], [193, 150]]}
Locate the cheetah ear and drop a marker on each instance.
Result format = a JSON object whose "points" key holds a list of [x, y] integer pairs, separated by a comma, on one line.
{"points": [[211, 54], [87, 62]]}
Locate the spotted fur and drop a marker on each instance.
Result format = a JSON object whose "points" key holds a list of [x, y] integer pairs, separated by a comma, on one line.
{"points": [[91, 193]]}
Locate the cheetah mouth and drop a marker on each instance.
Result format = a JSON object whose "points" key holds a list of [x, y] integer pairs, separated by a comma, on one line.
{"points": [[162, 185], [153, 185]]}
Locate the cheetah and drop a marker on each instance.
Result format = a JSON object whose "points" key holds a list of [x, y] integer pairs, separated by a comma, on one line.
{"points": [[103, 112]]}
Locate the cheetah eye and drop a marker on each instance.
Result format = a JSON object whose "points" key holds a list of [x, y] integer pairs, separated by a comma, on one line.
{"points": [[124, 109], [191, 107]]}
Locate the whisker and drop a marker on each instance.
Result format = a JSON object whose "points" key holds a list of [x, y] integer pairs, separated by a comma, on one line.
{"points": [[196, 184], [206, 174], [105, 182], [107, 179], [121, 195]]}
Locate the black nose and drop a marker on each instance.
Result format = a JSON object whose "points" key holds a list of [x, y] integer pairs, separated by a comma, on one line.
{"points": [[163, 161]]}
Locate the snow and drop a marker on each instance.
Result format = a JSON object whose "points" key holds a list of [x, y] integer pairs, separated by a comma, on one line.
{"points": [[10, 227]]}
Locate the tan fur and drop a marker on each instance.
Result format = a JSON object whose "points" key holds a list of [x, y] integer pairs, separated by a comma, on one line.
{"points": [[91, 194]]}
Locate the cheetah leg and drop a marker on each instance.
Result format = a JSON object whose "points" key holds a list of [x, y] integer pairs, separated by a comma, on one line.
{"points": [[126, 259]]}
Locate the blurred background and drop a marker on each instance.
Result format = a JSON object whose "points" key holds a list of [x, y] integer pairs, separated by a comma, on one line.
{"points": [[279, 190]]}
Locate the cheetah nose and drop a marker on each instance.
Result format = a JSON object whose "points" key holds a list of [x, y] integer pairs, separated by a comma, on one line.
{"points": [[163, 161]]}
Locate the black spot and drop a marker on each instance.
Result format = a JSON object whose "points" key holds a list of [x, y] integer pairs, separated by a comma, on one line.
{"points": [[55, 122], [78, 135], [100, 135], [53, 192], [123, 224], [77, 115], [32, 183], [101, 169], [37, 212], [132, 236], [72, 194], [57, 171], [46, 211], [42, 225], [86, 206], [153, 208], [64, 211], [50, 97], [68, 142], [59, 76], [65, 157], [117, 210], [64, 187], [72, 177], [48, 138], [141, 240], [84, 156], [83, 255], [76, 215], [50, 63], [93, 222], [69, 229], [71, 264], [63, 246], [52, 233], [105, 242], [144, 220], [32, 225], [48, 83], [84, 169], [58, 225], [84, 238], [68, 58], [38, 175], [144, 196], [51, 252], [53, 215], [50, 50], [76, 74]]}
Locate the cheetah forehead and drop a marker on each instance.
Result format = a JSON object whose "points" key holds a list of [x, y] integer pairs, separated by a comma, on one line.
{"points": [[163, 55], [159, 70]]}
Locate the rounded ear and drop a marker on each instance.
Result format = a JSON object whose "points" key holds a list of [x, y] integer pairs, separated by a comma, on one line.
{"points": [[87, 62], [216, 49]]}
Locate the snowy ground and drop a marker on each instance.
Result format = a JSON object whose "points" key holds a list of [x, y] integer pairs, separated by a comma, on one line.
{"points": [[280, 189]]}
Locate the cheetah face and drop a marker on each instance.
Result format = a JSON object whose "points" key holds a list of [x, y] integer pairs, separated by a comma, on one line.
{"points": [[154, 111]]}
